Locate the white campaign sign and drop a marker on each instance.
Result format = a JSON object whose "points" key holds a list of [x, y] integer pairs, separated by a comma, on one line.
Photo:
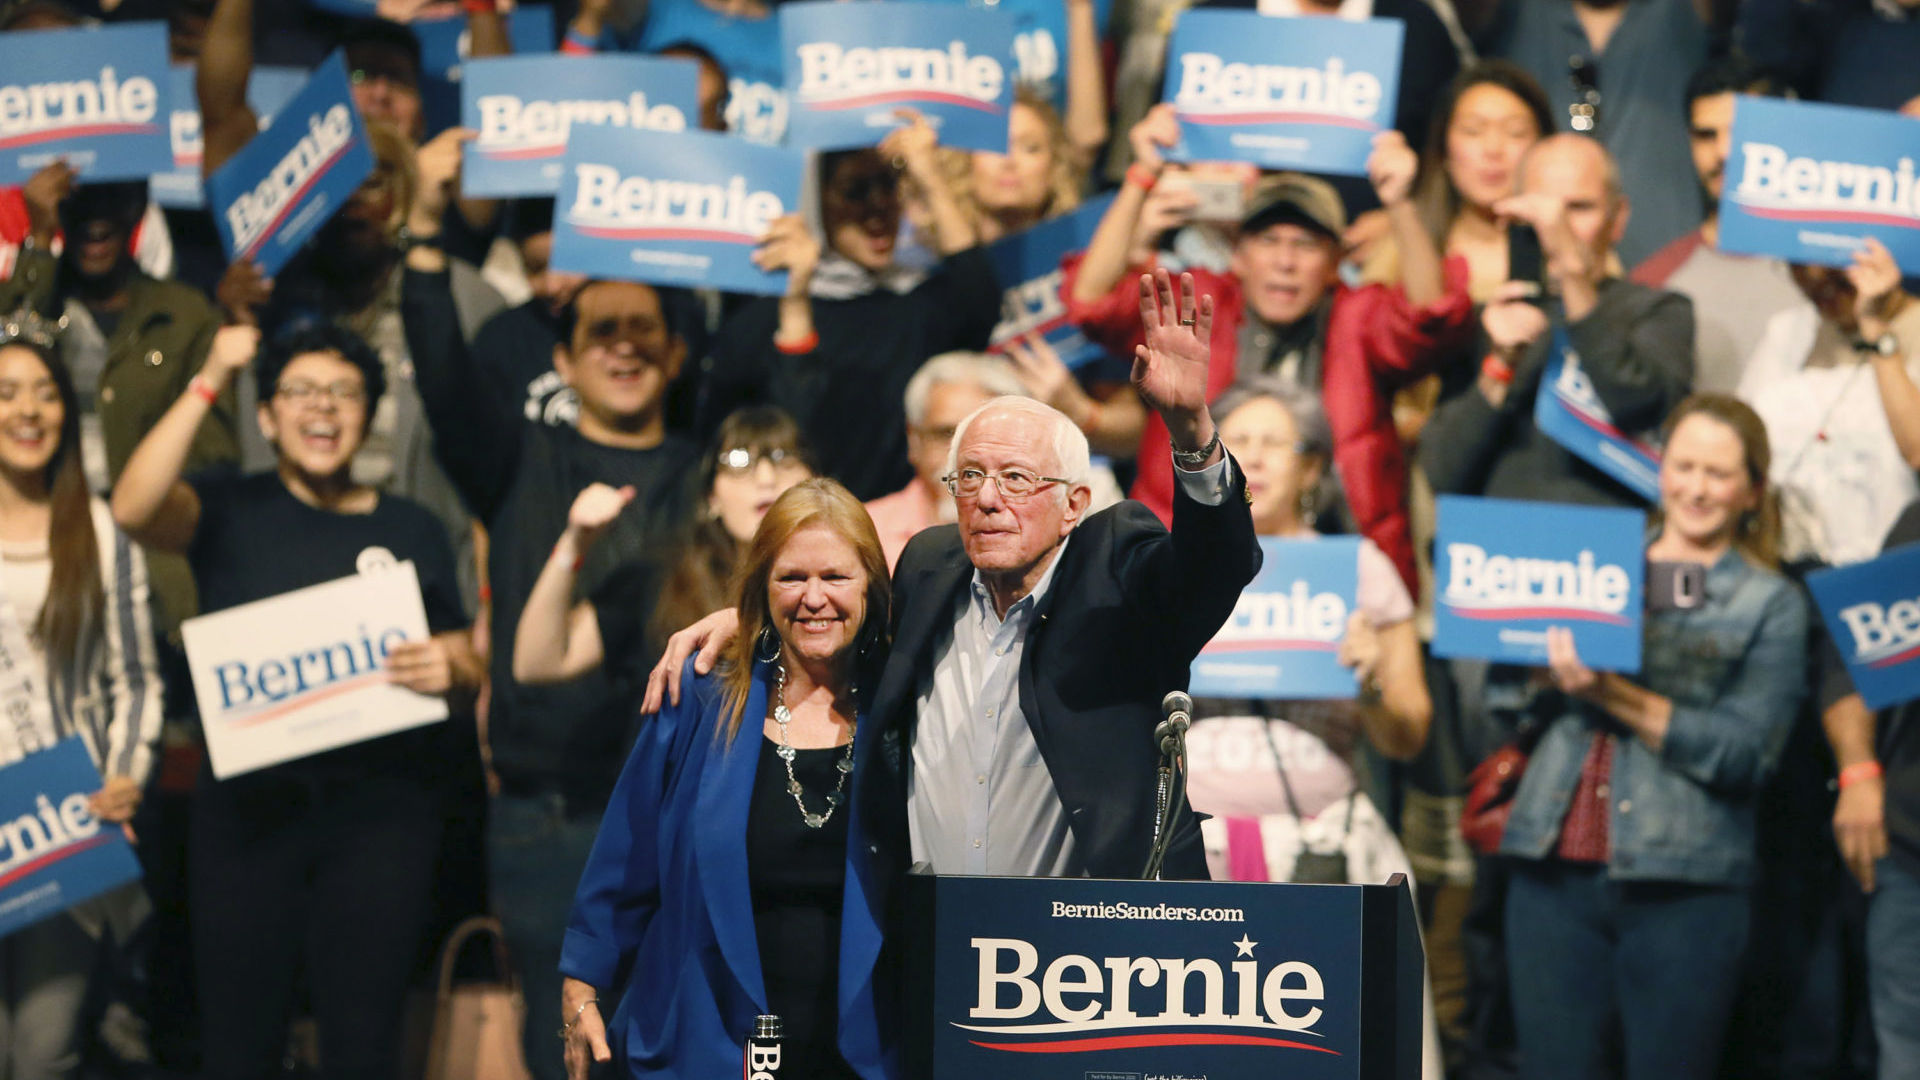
{"points": [[305, 672]]}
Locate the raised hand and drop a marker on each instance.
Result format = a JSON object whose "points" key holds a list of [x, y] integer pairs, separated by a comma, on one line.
{"points": [[437, 168], [1876, 279], [43, 193], [789, 245], [1391, 167], [593, 510], [232, 350], [1512, 322], [1043, 373], [1170, 368], [242, 292], [914, 146], [1152, 135]]}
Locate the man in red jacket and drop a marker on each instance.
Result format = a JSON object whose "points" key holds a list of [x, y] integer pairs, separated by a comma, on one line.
{"points": [[1283, 311]]}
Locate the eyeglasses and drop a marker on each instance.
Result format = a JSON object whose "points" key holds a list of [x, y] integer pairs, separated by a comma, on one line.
{"points": [[395, 77], [1583, 72], [340, 393], [1012, 483], [740, 460]]}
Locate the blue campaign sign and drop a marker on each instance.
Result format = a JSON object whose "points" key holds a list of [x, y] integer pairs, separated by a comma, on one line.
{"points": [[1040, 43], [748, 50], [179, 188], [851, 64], [1038, 979], [1283, 639], [523, 106], [1872, 610], [1569, 411], [95, 97], [53, 852], [1809, 183], [1283, 93], [680, 208], [444, 51], [1506, 571], [1030, 262], [273, 195]]}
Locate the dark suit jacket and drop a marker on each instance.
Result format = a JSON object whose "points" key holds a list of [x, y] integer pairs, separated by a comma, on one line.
{"points": [[1129, 607]]}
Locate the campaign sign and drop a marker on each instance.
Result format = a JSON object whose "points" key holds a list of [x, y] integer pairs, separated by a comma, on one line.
{"points": [[445, 46], [273, 195], [1872, 610], [1506, 571], [523, 106], [851, 64], [1281, 92], [1809, 182], [303, 672], [1040, 43], [1030, 260], [53, 852], [1283, 639], [1569, 411], [94, 97], [680, 208], [268, 89], [1044, 978]]}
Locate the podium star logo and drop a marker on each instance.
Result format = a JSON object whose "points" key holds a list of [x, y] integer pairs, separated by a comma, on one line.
{"points": [[1244, 945]]}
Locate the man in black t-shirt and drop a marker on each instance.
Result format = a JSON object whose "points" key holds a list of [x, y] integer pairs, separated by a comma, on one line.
{"points": [[1877, 825], [556, 749]]}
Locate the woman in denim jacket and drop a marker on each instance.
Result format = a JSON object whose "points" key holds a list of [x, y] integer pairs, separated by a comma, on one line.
{"points": [[1632, 834]]}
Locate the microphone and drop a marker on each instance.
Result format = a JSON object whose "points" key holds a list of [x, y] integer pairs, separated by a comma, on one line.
{"points": [[1178, 708]]}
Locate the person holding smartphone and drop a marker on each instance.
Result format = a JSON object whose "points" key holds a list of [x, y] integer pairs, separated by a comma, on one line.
{"points": [[1634, 343], [1632, 838]]}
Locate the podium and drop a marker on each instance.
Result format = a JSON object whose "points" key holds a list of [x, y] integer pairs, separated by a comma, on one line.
{"points": [[1081, 979]]}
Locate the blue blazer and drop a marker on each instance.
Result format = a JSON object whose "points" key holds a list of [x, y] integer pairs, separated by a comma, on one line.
{"points": [[663, 913]]}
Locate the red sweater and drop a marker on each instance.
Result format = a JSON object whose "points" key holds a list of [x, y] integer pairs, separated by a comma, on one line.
{"points": [[1376, 343]]}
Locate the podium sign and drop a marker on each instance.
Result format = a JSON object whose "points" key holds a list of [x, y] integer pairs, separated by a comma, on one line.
{"points": [[1042, 978]]}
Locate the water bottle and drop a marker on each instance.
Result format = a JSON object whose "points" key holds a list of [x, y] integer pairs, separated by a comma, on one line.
{"points": [[763, 1049]]}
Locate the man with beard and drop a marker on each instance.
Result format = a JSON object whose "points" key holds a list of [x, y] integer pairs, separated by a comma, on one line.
{"points": [[556, 749], [1733, 295]]}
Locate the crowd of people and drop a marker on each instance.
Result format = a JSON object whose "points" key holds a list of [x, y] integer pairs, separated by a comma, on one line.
{"points": [[945, 575]]}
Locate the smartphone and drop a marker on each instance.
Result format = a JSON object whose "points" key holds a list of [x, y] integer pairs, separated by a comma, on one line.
{"points": [[1525, 261], [1675, 586], [1218, 200]]}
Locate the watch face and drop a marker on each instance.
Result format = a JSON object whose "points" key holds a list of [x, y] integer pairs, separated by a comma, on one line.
{"points": [[1888, 345]]}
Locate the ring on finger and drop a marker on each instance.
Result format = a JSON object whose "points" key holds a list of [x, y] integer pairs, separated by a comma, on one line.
{"points": [[1188, 321]]}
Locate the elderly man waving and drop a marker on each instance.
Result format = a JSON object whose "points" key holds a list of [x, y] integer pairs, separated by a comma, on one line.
{"points": [[1032, 643]]}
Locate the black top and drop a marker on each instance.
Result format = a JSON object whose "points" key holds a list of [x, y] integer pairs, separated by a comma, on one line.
{"points": [[796, 875], [519, 478], [848, 393], [1896, 730], [256, 540]]}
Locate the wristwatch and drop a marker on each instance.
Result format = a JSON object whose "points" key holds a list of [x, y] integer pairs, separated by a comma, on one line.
{"points": [[1884, 345], [1193, 460]]}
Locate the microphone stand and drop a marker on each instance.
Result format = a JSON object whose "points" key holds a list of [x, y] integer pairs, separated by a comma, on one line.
{"points": [[1170, 792]]}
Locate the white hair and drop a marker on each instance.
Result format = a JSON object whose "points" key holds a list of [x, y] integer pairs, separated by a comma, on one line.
{"points": [[1072, 458], [991, 374]]}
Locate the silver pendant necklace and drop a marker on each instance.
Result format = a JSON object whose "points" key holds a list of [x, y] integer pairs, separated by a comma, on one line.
{"points": [[786, 751]]}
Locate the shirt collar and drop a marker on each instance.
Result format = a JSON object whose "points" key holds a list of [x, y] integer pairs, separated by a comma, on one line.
{"points": [[983, 595]]}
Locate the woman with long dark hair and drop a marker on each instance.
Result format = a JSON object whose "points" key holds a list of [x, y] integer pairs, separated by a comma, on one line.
{"points": [[76, 659]]}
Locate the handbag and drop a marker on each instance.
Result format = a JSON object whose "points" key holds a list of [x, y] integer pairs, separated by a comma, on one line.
{"points": [[477, 1025], [1491, 787], [1312, 867]]}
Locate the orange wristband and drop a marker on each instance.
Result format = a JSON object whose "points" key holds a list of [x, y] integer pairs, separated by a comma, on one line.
{"points": [[1496, 369], [1143, 176], [202, 391], [802, 347], [1865, 770]]}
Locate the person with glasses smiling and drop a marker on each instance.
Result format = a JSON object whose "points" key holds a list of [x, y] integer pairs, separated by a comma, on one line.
{"points": [[1034, 641], [326, 863], [757, 454]]}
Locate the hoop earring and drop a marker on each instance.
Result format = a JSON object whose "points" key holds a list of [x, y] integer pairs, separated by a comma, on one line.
{"points": [[766, 647], [1307, 513]]}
